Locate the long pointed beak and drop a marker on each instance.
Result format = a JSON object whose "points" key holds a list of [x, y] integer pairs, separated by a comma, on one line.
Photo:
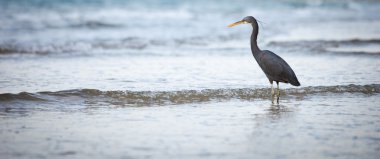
{"points": [[237, 23]]}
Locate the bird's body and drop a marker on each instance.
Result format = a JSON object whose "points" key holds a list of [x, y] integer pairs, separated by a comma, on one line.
{"points": [[275, 68]]}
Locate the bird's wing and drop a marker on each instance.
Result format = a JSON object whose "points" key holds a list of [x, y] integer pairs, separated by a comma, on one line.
{"points": [[275, 67], [270, 63]]}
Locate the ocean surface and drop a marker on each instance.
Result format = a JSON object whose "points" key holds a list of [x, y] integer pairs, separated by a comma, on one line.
{"points": [[168, 79]]}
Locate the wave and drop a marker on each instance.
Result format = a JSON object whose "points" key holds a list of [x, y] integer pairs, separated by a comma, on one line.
{"points": [[127, 43], [20, 96], [369, 47], [348, 41], [95, 25], [74, 46], [183, 96], [346, 47]]}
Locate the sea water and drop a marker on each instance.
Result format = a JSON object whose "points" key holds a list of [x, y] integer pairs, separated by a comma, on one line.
{"points": [[168, 79]]}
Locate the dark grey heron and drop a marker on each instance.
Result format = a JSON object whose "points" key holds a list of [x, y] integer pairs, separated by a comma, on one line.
{"points": [[275, 68]]}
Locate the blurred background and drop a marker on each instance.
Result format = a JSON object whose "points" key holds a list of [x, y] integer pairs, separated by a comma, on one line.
{"points": [[51, 45], [168, 79]]}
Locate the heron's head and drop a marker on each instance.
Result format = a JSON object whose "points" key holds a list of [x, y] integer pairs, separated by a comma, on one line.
{"points": [[246, 20]]}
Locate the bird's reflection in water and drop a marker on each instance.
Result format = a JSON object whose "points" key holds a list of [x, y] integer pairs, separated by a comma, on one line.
{"points": [[273, 117], [279, 111]]}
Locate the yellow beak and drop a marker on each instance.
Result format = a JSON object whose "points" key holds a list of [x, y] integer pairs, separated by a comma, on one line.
{"points": [[237, 23]]}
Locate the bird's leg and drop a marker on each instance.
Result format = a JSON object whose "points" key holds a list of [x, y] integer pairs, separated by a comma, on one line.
{"points": [[272, 93], [278, 93]]}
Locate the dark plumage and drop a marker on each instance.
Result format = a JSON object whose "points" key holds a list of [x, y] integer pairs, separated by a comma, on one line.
{"points": [[275, 68]]}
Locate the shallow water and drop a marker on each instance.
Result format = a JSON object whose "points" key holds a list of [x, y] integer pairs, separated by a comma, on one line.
{"points": [[177, 73], [320, 126], [167, 79]]}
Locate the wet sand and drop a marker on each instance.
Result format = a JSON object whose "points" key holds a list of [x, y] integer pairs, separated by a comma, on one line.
{"points": [[325, 125]]}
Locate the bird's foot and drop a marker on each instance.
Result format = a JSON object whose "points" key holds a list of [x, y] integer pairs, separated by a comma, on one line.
{"points": [[278, 97], [274, 97], [278, 100]]}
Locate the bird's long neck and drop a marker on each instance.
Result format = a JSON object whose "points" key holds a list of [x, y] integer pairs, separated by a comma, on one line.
{"points": [[254, 48]]}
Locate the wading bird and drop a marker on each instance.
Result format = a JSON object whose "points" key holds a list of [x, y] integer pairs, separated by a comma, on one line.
{"points": [[274, 67]]}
